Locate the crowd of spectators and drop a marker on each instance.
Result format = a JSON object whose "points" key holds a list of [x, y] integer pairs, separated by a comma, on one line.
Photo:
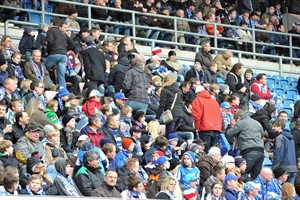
{"points": [[107, 138]]}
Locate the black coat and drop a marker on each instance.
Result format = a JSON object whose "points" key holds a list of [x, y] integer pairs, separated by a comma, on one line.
{"points": [[187, 124], [296, 133], [17, 133], [58, 42], [232, 80], [263, 117], [64, 140], [27, 43], [94, 64], [117, 74], [209, 76]]}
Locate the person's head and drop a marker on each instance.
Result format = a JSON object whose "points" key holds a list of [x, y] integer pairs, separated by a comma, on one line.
{"points": [[36, 55], [281, 174], [25, 84], [69, 122], [262, 78], [185, 87], [3, 63], [35, 182], [5, 42], [231, 181], [73, 13], [54, 137], [194, 82], [288, 191], [169, 80], [52, 105], [240, 87], [206, 46], [249, 74], [133, 165], [270, 109], [120, 99], [240, 163], [135, 184], [173, 139], [188, 159], [95, 33], [225, 107], [109, 150], [296, 26], [153, 129], [91, 159], [136, 132], [237, 69], [169, 184], [252, 189], [278, 125], [217, 189], [10, 85], [126, 111], [283, 115], [266, 174], [219, 172], [22, 118], [10, 182], [180, 13], [111, 177], [6, 147], [113, 121], [106, 110], [156, 154], [16, 105], [128, 143], [213, 66], [3, 108], [215, 154], [234, 99], [37, 87], [16, 57], [161, 142], [94, 121]]}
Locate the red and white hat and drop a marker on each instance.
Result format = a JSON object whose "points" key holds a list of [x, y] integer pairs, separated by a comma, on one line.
{"points": [[156, 50]]}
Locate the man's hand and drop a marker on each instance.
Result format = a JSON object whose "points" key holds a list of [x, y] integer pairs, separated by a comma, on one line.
{"points": [[8, 129]]}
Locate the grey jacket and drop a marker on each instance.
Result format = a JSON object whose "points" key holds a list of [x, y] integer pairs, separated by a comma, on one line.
{"points": [[248, 133]]}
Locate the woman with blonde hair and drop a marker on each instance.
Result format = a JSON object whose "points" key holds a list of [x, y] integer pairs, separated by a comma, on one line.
{"points": [[288, 191], [168, 188], [169, 94], [6, 47]]}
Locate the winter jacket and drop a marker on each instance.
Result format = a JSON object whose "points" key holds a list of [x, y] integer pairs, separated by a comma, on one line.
{"points": [[115, 135], [25, 147], [39, 118], [60, 181], [262, 91], [220, 61], [204, 58], [54, 153], [136, 84], [166, 100], [232, 80], [232, 194], [58, 42], [52, 117], [187, 124], [118, 161], [205, 165], [27, 43], [105, 190], [245, 5], [95, 137], [265, 187], [163, 174], [284, 151], [210, 76], [192, 73], [68, 139], [94, 64], [124, 174], [296, 133], [10, 136], [248, 133], [87, 179], [263, 117], [117, 74], [91, 107], [206, 112]]}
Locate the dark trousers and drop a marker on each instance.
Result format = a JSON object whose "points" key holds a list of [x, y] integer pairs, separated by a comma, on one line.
{"points": [[173, 125], [209, 137], [254, 160]]}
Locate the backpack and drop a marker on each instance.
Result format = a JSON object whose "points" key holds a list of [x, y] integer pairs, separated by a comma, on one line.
{"points": [[152, 186]]}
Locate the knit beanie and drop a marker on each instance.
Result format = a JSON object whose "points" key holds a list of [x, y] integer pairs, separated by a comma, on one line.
{"points": [[126, 142], [161, 160], [63, 92], [191, 155], [28, 29], [32, 163], [173, 136], [66, 120], [279, 171], [156, 50], [239, 161], [173, 164], [189, 192], [158, 152], [193, 147], [275, 97], [255, 97], [171, 53], [138, 114]]}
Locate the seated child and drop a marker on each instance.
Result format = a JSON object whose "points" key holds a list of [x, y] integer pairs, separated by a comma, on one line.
{"points": [[10, 185], [50, 113], [34, 186]]}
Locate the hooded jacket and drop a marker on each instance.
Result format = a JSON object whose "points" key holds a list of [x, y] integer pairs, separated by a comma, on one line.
{"points": [[54, 153], [263, 117], [62, 189], [205, 165], [166, 100], [117, 74], [249, 134], [206, 112], [284, 151]]}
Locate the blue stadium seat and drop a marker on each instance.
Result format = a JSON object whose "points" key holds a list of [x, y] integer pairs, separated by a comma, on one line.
{"points": [[279, 106], [283, 83], [294, 83], [279, 91], [220, 80], [292, 92], [271, 81], [271, 87], [289, 110], [268, 76], [288, 102], [296, 97], [254, 75], [291, 79], [34, 17]]}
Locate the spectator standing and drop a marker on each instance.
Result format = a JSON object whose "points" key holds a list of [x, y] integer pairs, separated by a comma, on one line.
{"points": [[204, 56], [27, 42], [58, 43], [71, 19], [245, 5]]}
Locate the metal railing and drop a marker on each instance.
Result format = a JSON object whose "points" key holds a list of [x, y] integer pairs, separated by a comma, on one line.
{"points": [[174, 31]]}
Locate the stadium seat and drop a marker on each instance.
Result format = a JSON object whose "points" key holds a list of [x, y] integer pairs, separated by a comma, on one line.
{"points": [[271, 81], [279, 91], [283, 83], [268, 76], [296, 97], [279, 106], [289, 110], [294, 83], [34, 17], [288, 102], [220, 80], [291, 79], [292, 92], [254, 75]]}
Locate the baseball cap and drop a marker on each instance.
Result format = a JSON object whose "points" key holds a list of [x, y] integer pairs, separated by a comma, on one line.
{"points": [[33, 127], [251, 185], [225, 105], [296, 24], [120, 95], [135, 129], [82, 138], [230, 177]]}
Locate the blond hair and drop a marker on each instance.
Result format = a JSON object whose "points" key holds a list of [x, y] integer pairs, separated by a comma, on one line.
{"points": [[153, 129]]}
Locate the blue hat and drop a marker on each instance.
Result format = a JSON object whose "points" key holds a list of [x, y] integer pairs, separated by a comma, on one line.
{"points": [[173, 136], [296, 24], [63, 92], [275, 97], [191, 177], [161, 160], [230, 177], [104, 141], [225, 105], [251, 185], [87, 146], [120, 95], [191, 155], [272, 196]]}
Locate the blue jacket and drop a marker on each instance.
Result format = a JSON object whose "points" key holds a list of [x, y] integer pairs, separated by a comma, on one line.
{"points": [[284, 151], [118, 161], [230, 194], [265, 187]]}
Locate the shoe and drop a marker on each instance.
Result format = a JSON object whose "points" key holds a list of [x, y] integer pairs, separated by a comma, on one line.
{"points": [[183, 146]]}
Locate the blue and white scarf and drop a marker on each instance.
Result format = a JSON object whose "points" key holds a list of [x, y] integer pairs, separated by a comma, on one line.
{"points": [[69, 185], [38, 192], [118, 139], [39, 73]]}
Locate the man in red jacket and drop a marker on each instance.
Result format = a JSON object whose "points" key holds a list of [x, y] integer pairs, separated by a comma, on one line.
{"points": [[260, 87], [207, 116]]}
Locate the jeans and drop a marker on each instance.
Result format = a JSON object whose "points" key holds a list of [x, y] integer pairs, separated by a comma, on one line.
{"points": [[209, 137], [292, 177], [61, 61], [135, 105], [173, 125], [185, 135], [122, 29], [254, 160]]}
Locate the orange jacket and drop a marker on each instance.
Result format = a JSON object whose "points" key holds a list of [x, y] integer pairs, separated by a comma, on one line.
{"points": [[210, 29]]}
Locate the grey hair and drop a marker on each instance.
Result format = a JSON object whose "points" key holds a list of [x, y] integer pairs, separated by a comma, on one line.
{"points": [[90, 155], [93, 119], [213, 151]]}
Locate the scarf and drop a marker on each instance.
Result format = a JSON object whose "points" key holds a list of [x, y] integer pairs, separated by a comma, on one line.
{"points": [[133, 194], [256, 106], [68, 185], [199, 76], [18, 71], [118, 139], [39, 192], [91, 46], [60, 103], [39, 73], [127, 153]]}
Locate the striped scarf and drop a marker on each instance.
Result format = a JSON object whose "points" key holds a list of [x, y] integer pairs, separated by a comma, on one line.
{"points": [[38, 192], [39, 73], [69, 185], [118, 139]]}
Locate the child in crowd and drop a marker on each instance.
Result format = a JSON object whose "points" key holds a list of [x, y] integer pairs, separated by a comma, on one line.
{"points": [[53, 149], [153, 129], [14, 68], [227, 116], [136, 134], [27, 42], [68, 135], [214, 90], [125, 120], [40, 42], [234, 102], [151, 165], [217, 191], [50, 113], [224, 91], [10, 185], [62, 97], [74, 109], [254, 103], [93, 104], [140, 119], [110, 151], [34, 186], [172, 146]]}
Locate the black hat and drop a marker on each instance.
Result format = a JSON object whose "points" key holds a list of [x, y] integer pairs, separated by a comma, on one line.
{"points": [[104, 141], [239, 86], [138, 114], [32, 163], [171, 53], [239, 161], [253, 13], [255, 97], [66, 119], [2, 59], [173, 164], [33, 127], [83, 30], [72, 11], [279, 171], [135, 129], [190, 3]]}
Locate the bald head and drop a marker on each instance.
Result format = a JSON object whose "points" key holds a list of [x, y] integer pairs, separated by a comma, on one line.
{"points": [[266, 174], [227, 54]]}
